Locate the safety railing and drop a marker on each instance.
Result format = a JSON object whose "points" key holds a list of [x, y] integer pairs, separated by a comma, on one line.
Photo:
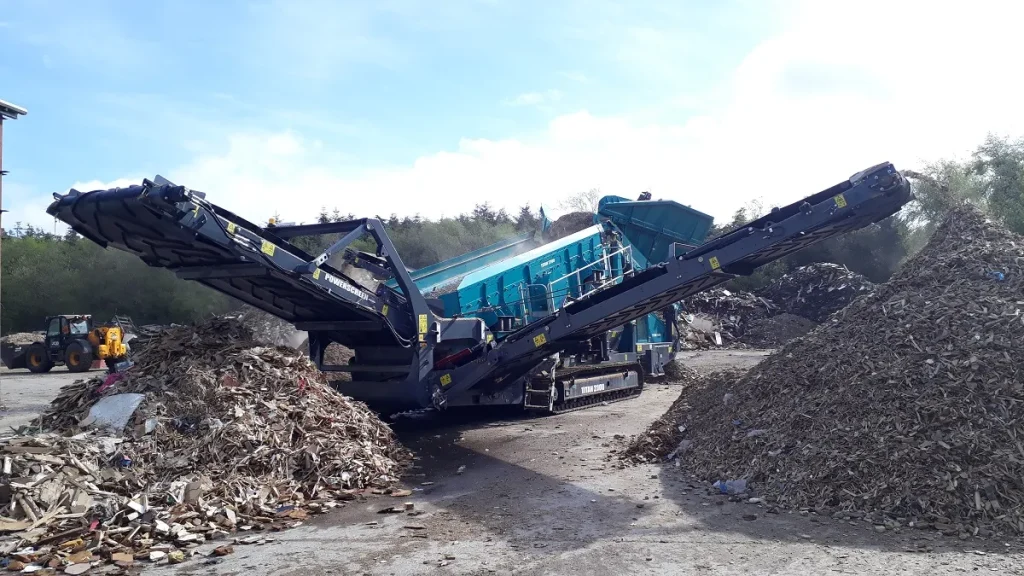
{"points": [[585, 288]]}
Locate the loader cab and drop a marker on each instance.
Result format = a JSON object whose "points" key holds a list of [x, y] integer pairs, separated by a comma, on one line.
{"points": [[62, 329]]}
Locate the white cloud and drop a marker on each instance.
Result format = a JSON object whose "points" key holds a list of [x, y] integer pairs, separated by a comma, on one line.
{"points": [[839, 89], [535, 98], [575, 76], [27, 209], [99, 185]]}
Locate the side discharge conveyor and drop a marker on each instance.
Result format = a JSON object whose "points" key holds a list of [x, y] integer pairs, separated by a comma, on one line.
{"points": [[551, 324]]}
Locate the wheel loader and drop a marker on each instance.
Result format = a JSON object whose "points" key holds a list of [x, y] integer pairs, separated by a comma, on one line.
{"points": [[72, 340]]}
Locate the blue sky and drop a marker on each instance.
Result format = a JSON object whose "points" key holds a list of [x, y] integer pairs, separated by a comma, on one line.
{"points": [[404, 106]]}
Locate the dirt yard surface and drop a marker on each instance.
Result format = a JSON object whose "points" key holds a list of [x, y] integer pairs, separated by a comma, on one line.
{"points": [[500, 494], [711, 360], [25, 394]]}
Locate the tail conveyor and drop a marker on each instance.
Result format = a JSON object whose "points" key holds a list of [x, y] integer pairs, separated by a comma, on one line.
{"points": [[511, 332]]}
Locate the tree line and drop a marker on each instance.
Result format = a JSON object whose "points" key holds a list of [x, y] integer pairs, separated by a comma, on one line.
{"points": [[45, 274]]}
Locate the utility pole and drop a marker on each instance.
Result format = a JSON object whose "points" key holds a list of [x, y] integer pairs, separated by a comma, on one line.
{"points": [[8, 111]]}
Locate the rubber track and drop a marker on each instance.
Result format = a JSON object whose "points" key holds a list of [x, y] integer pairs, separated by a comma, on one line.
{"points": [[587, 401]]}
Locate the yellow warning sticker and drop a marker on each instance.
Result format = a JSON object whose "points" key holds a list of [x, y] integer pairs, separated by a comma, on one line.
{"points": [[490, 337], [231, 227], [384, 310], [840, 201], [316, 274], [446, 379], [423, 323], [267, 248], [639, 347], [540, 340], [714, 263]]}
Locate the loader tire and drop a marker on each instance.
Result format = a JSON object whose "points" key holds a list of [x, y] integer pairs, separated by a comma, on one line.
{"points": [[37, 359], [77, 357]]}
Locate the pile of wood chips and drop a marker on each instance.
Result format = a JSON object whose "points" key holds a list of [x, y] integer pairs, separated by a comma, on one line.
{"points": [[817, 290], [777, 330], [231, 436], [908, 407]]}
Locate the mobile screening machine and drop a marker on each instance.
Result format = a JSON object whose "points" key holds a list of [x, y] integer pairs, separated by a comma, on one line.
{"points": [[552, 326]]}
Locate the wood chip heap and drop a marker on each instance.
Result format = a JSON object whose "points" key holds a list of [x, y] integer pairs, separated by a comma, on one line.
{"points": [[229, 435], [817, 290], [907, 407], [777, 330]]}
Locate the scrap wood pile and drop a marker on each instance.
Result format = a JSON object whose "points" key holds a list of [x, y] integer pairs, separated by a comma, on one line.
{"points": [[141, 336], [22, 338], [817, 290], [723, 311], [267, 328], [908, 407], [217, 434]]}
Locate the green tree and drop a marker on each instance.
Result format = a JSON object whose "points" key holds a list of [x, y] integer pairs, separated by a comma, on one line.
{"points": [[999, 163]]}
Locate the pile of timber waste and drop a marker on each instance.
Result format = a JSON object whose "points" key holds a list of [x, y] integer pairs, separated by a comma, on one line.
{"points": [[210, 433], [141, 336], [720, 317], [817, 290], [569, 224], [906, 409], [269, 329], [22, 338]]}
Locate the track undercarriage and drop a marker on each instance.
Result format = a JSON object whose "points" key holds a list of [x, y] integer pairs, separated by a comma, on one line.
{"points": [[582, 386]]}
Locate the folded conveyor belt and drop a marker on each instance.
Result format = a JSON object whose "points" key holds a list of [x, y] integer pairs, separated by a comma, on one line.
{"points": [[172, 227]]}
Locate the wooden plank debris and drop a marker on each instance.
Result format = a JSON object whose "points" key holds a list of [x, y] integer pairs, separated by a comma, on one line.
{"points": [[232, 435]]}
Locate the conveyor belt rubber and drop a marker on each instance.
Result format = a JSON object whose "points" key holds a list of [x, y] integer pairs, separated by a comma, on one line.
{"points": [[171, 227]]}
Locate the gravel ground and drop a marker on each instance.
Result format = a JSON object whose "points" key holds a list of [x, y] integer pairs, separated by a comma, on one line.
{"points": [[24, 394], [542, 496]]}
